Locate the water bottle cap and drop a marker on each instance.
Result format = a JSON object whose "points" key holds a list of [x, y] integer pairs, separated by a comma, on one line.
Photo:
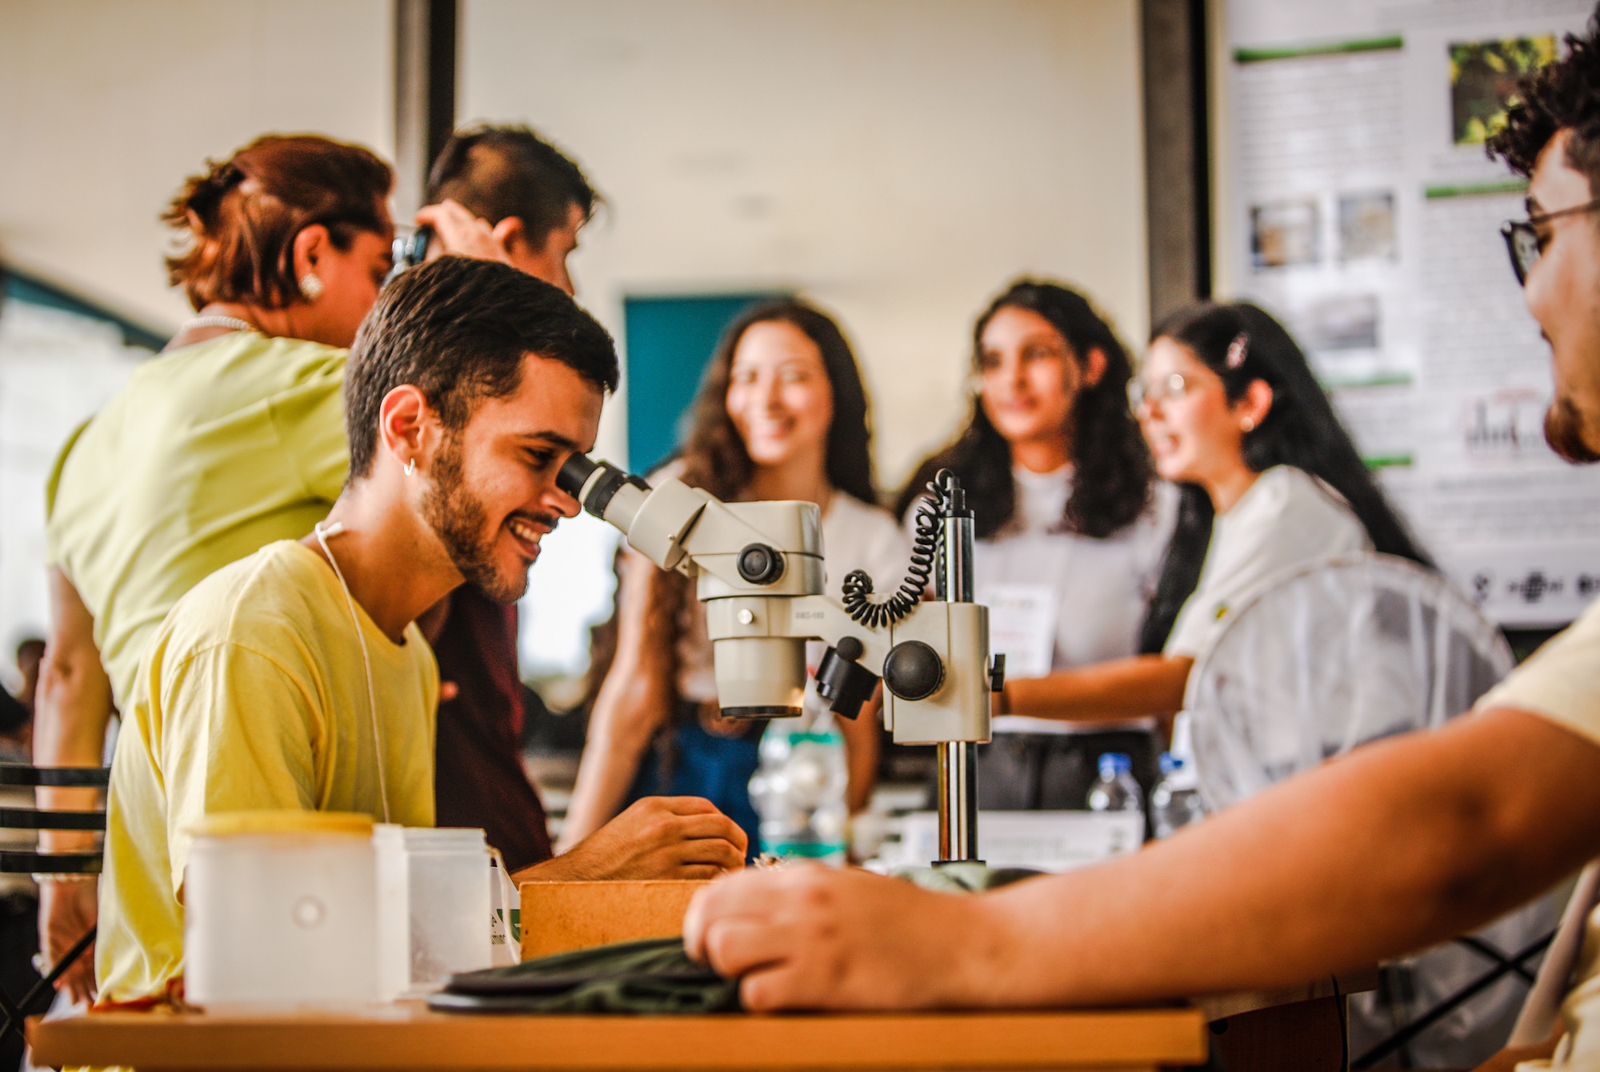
{"points": [[1115, 763], [1170, 763]]}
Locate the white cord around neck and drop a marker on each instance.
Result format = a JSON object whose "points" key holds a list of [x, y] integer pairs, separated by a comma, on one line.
{"points": [[322, 531]]}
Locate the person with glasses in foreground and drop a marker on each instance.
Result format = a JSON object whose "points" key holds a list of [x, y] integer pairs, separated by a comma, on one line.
{"points": [[1393, 848]]}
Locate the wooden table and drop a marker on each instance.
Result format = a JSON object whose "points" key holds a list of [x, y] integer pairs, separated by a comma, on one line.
{"points": [[410, 1037]]}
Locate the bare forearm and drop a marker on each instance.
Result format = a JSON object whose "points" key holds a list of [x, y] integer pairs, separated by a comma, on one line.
{"points": [[71, 716], [1394, 848], [862, 746], [1138, 687], [604, 776], [620, 729]]}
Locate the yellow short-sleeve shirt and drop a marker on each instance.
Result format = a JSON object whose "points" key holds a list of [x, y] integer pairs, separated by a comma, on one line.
{"points": [[209, 453], [253, 695]]}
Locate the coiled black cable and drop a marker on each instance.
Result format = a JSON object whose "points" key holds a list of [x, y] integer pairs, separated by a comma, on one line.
{"points": [[925, 546]]}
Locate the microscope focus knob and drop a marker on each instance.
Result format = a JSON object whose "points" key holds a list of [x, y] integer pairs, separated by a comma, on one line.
{"points": [[760, 564], [913, 670]]}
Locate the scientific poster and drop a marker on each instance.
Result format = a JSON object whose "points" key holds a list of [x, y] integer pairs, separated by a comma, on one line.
{"points": [[1365, 213]]}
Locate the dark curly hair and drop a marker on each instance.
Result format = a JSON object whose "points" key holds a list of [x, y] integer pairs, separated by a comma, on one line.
{"points": [[1113, 472], [714, 458], [1561, 96], [1300, 429], [713, 455]]}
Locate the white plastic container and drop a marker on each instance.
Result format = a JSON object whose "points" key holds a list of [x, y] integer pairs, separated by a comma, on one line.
{"points": [[278, 911], [434, 906]]}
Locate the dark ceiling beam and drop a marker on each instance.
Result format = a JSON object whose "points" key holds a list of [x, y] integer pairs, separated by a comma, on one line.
{"points": [[1177, 152], [425, 44]]}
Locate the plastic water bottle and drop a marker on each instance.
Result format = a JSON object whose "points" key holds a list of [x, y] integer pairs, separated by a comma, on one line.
{"points": [[799, 790], [1116, 790], [1175, 801]]}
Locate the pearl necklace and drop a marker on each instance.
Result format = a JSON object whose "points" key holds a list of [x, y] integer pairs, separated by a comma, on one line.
{"points": [[213, 320]]}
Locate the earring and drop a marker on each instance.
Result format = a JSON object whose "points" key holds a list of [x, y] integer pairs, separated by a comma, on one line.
{"points": [[411, 467], [1248, 424], [311, 287]]}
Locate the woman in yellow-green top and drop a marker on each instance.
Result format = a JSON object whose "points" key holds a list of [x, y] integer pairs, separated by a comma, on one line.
{"points": [[231, 439]]}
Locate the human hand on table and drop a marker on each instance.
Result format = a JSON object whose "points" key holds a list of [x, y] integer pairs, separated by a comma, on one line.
{"points": [[67, 911], [813, 937], [657, 837]]}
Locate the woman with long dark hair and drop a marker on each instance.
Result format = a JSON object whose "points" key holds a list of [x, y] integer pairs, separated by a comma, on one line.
{"points": [[781, 414], [1269, 481], [1069, 521]]}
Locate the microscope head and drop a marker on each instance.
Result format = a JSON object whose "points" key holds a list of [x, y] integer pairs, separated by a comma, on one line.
{"points": [[749, 562]]}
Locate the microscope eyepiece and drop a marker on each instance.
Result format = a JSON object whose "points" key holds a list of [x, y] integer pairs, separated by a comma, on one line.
{"points": [[575, 473], [579, 473]]}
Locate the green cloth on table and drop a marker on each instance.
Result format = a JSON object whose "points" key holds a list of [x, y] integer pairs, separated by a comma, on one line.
{"points": [[649, 978]]}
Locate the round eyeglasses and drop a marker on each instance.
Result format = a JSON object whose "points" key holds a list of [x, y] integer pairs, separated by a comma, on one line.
{"points": [[1168, 388], [1522, 237]]}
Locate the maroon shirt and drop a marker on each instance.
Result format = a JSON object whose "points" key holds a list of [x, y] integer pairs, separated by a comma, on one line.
{"points": [[478, 776]]}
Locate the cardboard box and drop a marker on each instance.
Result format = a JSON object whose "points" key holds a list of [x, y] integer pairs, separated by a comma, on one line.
{"points": [[558, 917]]}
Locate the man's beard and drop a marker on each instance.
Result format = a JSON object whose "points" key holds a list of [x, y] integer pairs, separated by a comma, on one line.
{"points": [[1563, 430], [457, 517]]}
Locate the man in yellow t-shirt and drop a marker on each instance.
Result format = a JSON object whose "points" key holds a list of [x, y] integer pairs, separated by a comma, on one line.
{"points": [[295, 678], [257, 698], [1393, 848]]}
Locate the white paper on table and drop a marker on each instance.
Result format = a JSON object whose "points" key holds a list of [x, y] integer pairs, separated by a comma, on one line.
{"points": [[1044, 840]]}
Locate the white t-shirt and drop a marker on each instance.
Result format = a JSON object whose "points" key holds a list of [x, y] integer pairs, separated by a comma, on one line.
{"points": [[1060, 599], [1561, 682], [1286, 519], [855, 535]]}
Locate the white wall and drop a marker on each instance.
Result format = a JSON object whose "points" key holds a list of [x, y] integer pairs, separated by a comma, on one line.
{"points": [[109, 105], [897, 160]]}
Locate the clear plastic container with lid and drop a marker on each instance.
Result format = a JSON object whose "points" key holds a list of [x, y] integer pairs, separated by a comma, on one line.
{"points": [[434, 904], [279, 911]]}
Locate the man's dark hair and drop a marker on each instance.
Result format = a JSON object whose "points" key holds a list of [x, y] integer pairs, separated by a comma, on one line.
{"points": [[496, 172], [459, 329], [1561, 96]]}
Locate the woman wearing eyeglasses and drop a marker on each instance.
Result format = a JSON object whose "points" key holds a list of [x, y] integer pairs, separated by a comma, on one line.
{"points": [[1269, 480], [1070, 524]]}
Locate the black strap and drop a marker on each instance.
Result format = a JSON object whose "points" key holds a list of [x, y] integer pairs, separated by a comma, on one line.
{"points": [[43, 819], [49, 863], [54, 777]]}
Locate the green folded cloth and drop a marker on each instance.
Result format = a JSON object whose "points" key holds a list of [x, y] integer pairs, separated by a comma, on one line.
{"points": [[650, 978]]}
